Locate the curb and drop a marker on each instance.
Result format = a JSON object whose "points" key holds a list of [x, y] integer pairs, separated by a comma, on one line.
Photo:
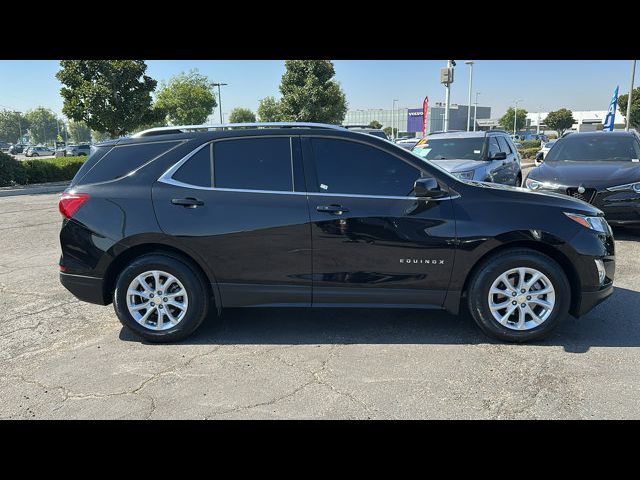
{"points": [[35, 189]]}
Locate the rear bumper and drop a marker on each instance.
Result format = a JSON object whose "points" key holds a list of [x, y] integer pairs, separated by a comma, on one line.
{"points": [[87, 289]]}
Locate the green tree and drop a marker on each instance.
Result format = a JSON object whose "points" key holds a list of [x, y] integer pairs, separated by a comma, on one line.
{"points": [[241, 115], [375, 124], [634, 121], [387, 130], [11, 124], [79, 132], [112, 96], [187, 99], [43, 125], [560, 120], [506, 121], [98, 137], [309, 93], [269, 110]]}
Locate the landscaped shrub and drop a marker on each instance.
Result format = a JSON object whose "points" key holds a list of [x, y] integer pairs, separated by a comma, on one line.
{"points": [[11, 171], [16, 172], [531, 144], [529, 152]]}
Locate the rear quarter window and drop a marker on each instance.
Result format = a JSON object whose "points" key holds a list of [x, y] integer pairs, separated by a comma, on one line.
{"points": [[119, 161]]}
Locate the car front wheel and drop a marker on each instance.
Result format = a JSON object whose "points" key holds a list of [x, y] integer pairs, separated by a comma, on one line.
{"points": [[160, 297], [519, 295]]}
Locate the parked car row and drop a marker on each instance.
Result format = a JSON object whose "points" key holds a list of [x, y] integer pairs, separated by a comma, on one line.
{"points": [[73, 150]]}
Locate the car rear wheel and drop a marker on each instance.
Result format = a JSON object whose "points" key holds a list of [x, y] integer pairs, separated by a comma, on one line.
{"points": [[161, 298], [519, 295]]}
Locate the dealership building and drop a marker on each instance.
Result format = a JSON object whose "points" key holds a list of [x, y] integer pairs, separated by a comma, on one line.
{"points": [[408, 121]]}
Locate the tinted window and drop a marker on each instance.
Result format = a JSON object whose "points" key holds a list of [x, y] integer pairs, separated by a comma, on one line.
{"points": [[354, 168], [494, 147], [450, 148], [253, 164], [95, 156], [196, 170], [602, 147], [504, 145], [122, 160]]}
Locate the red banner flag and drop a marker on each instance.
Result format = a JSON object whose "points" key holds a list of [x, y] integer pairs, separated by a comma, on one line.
{"points": [[425, 107]]}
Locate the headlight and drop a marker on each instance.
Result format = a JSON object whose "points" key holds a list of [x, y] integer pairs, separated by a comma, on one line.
{"points": [[467, 175], [599, 224], [533, 184], [629, 186]]}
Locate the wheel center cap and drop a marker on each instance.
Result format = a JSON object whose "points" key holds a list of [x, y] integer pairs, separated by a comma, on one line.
{"points": [[521, 299]]}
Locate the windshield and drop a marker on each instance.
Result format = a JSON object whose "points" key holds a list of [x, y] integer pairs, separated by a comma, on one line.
{"points": [[451, 148], [595, 148]]}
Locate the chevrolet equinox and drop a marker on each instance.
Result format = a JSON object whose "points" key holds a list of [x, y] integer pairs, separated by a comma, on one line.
{"points": [[175, 222]]}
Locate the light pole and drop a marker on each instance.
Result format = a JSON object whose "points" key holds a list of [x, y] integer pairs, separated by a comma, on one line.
{"points": [[393, 119], [538, 126], [220, 97], [450, 65], [475, 112], [633, 74], [469, 104], [515, 114]]}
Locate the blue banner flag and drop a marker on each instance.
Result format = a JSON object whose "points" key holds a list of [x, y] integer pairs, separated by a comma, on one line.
{"points": [[611, 114]]}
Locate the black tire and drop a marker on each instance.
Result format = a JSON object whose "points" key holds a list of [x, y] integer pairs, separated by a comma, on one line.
{"points": [[519, 180], [191, 279], [491, 268]]}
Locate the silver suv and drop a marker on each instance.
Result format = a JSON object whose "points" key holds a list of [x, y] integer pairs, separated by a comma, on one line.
{"points": [[482, 156]]}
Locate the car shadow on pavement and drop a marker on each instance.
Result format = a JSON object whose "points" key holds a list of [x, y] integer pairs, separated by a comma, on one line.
{"points": [[611, 324]]}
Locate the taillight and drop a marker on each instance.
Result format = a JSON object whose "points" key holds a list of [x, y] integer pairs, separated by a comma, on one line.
{"points": [[71, 202]]}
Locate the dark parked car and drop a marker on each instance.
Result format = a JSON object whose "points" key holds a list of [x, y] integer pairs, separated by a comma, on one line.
{"points": [[601, 168], [482, 156], [4, 147], [376, 132], [177, 222], [17, 148], [78, 150]]}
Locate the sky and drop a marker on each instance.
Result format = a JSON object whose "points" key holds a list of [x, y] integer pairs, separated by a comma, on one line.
{"points": [[540, 84]]}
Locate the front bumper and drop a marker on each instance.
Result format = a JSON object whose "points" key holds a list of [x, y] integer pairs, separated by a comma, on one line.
{"points": [[87, 289], [588, 300]]}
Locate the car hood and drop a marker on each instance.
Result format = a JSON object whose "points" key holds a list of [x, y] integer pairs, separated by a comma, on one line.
{"points": [[588, 173], [458, 165], [529, 197]]}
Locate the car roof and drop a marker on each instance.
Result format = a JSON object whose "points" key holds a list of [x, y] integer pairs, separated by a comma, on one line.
{"points": [[615, 133], [458, 135]]}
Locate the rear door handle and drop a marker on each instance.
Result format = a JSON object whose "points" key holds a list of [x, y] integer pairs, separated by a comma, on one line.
{"points": [[188, 202], [335, 209]]}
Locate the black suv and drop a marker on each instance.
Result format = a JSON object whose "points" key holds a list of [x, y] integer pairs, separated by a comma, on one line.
{"points": [[177, 222], [483, 156]]}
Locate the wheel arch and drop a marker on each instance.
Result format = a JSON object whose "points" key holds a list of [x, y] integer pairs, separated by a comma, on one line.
{"points": [[127, 255], [544, 248]]}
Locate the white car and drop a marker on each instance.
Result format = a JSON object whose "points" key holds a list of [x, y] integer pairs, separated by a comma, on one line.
{"points": [[543, 151], [39, 152]]}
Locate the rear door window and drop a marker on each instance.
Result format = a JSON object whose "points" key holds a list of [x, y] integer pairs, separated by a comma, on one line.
{"points": [[254, 164], [122, 160], [197, 169]]}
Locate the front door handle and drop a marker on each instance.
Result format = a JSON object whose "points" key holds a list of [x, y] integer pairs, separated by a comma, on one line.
{"points": [[334, 209], [188, 202]]}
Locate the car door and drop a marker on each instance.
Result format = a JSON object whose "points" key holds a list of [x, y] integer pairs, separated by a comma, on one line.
{"points": [[241, 204], [498, 169], [513, 162], [373, 243]]}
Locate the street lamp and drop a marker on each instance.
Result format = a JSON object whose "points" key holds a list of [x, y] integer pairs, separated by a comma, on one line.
{"points": [[469, 103], [475, 112], [515, 114], [633, 74], [220, 97]]}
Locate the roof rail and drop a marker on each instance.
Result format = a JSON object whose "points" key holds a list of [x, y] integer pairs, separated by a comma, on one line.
{"points": [[225, 126]]}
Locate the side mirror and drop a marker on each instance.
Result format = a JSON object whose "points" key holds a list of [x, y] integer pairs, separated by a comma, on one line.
{"points": [[428, 188], [539, 157], [499, 156]]}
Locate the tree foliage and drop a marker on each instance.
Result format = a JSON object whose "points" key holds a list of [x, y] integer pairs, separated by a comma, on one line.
{"points": [[10, 125], [309, 93], [241, 115], [269, 110], [506, 121], [389, 131], [634, 121], [98, 137], [560, 120], [43, 125], [186, 99], [112, 96], [375, 124], [79, 132]]}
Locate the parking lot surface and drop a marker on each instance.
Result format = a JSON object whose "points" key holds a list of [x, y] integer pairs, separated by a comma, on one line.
{"points": [[62, 358]]}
